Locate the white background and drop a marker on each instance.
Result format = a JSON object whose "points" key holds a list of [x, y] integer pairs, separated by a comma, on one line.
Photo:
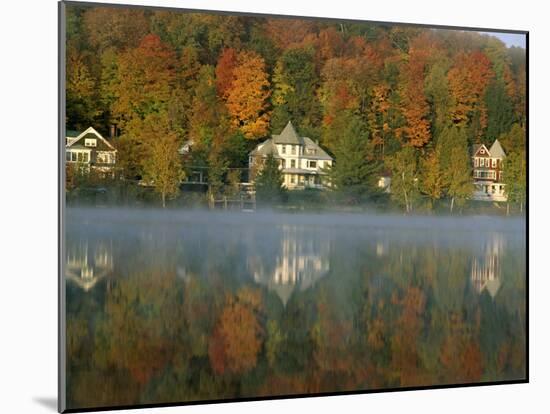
{"points": [[28, 230]]}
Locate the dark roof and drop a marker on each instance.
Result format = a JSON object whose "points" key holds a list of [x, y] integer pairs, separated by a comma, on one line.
{"points": [[266, 148], [319, 154], [101, 145], [71, 133], [495, 151], [288, 136]]}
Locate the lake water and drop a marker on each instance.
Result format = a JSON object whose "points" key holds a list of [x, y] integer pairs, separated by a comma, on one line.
{"points": [[177, 306]]}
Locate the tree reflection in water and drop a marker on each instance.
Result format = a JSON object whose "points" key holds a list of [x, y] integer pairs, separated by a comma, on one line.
{"points": [[161, 311]]}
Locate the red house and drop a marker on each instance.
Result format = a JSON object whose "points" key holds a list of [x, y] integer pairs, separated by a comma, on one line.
{"points": [[487, 172]]}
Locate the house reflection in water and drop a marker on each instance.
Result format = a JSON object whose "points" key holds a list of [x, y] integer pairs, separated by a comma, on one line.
{"points": [[485, 273], [300, 261], [87, 264]]}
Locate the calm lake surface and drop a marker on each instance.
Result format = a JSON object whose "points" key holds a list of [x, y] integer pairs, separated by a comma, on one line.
{"points": [[183, 306]]}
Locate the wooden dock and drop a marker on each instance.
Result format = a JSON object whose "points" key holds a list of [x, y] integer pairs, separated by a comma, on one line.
{"points": [[242, 203]]}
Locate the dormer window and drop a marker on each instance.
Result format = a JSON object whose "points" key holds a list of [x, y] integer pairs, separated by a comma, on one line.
{"points": [[90, 142]]}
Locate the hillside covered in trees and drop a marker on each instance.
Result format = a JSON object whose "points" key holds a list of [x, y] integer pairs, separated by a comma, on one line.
{"points": [[406, 100]]}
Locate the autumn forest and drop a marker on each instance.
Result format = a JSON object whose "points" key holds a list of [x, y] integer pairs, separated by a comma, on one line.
{"points": [[381, 99]]}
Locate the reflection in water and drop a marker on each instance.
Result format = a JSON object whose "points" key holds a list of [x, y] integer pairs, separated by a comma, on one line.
{"points": [[486, 269], [88, 263], [299, 262], [209, 306]]}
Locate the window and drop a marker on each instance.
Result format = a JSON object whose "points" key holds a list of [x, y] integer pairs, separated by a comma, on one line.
{"points": [[482, 162], [292, 179], [90, 142], [292, 163], [68, 156], [485, 174], [85, 157], [494, 162], [313, 164], [476, 162], [494, 189], [293, 149], [283, 149], [79, 157], [103, 158], [73, 156]]}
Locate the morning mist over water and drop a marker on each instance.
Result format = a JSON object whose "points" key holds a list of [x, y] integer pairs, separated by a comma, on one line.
{"points": [[192, 305]]}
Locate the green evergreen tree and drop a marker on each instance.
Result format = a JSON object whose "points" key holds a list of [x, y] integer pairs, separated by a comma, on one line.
{"points": [[500, 111], [354, 173], [513, 140], [437, 92], [269, 182], [515, 179], [295, 82]]}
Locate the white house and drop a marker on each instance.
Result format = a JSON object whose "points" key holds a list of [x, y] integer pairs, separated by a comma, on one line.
{"points": [[487, 172], [486, 268], [301, 160], [86, 265], [91, 150], [299, 262]]}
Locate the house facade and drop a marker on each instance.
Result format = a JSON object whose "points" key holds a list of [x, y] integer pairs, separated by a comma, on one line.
{"points": [[301, 160], [90, 150], [487, 172]]}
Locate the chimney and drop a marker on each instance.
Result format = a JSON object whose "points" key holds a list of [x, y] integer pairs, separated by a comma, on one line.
{"points": [[112, 131]]}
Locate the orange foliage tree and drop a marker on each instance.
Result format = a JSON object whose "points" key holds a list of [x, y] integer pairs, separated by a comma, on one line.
{"points": [[468, 81], [414, 106], [247, 99], [288, 32], [224, 71], [405, 358], [460, 353], [238, 335]]}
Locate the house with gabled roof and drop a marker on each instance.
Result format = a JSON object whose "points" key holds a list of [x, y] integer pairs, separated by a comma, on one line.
{"points": [[302, 161], [90, 150], [487, 172]]}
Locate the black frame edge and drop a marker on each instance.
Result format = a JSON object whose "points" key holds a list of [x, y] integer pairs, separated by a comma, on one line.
{"points": [[61, 308], [290, 16]]}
